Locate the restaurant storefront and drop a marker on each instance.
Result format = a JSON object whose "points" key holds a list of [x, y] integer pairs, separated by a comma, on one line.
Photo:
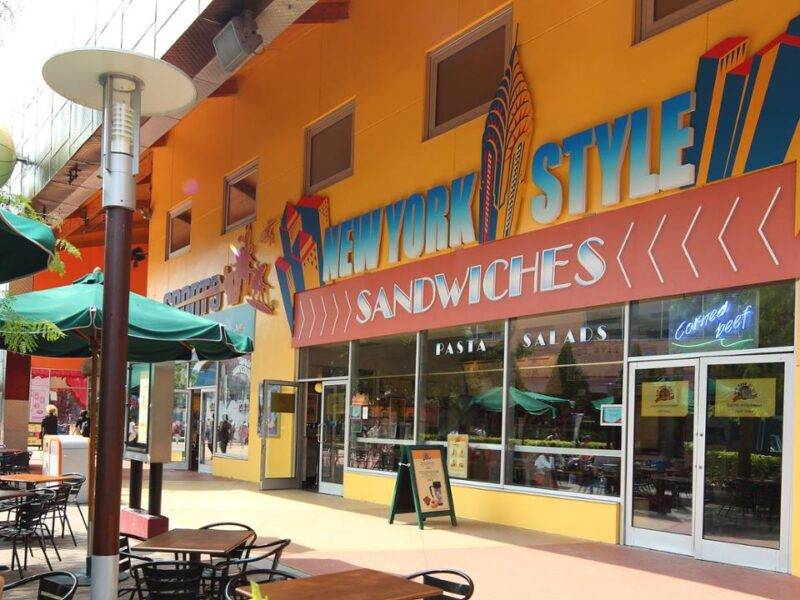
{"points": [[588, 298]]}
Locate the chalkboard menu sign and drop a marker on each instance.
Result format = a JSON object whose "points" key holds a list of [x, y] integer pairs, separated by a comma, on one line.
{"points": [[423, 485]]}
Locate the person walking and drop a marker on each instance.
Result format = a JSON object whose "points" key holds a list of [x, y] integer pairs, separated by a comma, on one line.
{"points": [[225, 432], [50, 421], [83, 423]]}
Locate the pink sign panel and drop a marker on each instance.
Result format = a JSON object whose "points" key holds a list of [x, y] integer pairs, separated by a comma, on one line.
{"points": [[737, 232]]}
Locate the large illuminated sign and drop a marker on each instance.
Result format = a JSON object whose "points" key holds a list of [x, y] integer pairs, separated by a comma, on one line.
{"points": [[729, 322]]}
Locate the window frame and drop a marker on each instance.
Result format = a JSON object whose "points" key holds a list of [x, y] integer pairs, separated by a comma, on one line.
{"points": [[183, 207], [229, 181], [503, 18], [217, 412], [647, 26], [347, 109]]}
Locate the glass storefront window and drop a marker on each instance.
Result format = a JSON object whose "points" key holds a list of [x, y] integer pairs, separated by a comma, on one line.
{"points": [[180, 412], [233, 408], [462, 392], [318, 362], [739, 319], [138, 417], [382, 403], [202, 374], [563, 369]]}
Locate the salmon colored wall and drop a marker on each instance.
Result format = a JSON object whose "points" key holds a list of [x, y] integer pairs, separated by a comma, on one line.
{"points": [[580, 63], [91, 257]]}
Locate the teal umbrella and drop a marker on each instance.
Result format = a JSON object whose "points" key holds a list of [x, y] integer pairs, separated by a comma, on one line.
{"points": [[531, 402], [601, 401], [156, 332], [26, 246]]}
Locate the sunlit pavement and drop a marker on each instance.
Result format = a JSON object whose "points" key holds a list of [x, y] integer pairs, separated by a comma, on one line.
{"points": [[333, 534]]}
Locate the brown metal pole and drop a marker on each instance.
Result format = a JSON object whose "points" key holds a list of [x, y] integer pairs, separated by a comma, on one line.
{"points": [[113, 359], [92, 446]]}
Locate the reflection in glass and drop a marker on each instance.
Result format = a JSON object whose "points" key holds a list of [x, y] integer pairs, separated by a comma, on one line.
{"points": [[382, 407], [753, 317], [202, 373], [333, 419], [208, 403], [138, 405], [180, 413], [663, 449], [743, 456], [330, 360], [233, 411], [564, 369], [462, 383]]}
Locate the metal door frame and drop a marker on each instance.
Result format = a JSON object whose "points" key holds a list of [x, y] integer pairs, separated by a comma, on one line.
{"points": [[265, 400], [334, 489], [695, 545], [650, 538], [201, 468], [730, 552]]}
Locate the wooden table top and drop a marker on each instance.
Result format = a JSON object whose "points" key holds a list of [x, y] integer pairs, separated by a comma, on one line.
{"points": [[216, 542], [11, 494], [359, 584], [31, 478]]}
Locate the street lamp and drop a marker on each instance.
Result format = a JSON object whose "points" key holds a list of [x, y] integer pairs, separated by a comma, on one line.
{"points": [[125, 86]]}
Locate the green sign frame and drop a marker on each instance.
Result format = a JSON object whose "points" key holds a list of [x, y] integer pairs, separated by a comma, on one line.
{"points": [[406, 497]]}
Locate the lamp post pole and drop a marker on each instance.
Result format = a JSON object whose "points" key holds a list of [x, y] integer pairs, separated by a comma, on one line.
{"points": [[124, 85], [120, 149]]}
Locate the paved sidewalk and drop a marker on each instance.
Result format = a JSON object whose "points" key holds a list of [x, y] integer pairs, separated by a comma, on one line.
{"points": [[332, 534]]}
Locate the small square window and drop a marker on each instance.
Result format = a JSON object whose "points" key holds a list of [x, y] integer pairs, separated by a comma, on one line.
{"points": [[179, 229], [464, 73], [655, 16], [240, 197], [329, 149]]}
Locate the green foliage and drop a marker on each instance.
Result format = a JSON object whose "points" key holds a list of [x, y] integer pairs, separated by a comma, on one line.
{"points": [[19, 334], [724, 464]]}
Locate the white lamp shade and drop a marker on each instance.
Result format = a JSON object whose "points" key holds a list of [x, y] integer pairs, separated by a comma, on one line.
{"points": [[76, 75]]}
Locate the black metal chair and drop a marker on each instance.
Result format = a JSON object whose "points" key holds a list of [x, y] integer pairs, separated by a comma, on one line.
{"points": [[126, 558], [257, 576], [456, 585], [56, 585], [241, 552], [76, 481], [58, 509], [168, 580], [20, 462], [215, 576], [30, 525]]}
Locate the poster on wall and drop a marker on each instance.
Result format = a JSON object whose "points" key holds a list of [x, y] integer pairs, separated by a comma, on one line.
{"points": [[665, 399], [611, 415], [144, 408], [39, 394], [745, 398], [458, 454], [423, 485]]}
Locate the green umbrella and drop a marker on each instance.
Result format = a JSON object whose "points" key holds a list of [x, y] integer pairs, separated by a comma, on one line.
{"points": [[601, 401], [26, 246], [156, 332], [531, 402]]}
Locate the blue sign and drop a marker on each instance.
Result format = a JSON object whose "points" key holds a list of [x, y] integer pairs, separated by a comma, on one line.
{"points": [[721, 322], [241, 319]]}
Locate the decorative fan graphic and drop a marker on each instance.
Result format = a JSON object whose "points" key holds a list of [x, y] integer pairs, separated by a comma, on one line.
{"points": [[506, 139]]}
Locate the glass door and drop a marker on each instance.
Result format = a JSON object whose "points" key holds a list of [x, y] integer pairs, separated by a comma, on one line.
{"points": [[332, 436], [709, 458], [743, 438], [208, 410], [278, 430], [659, 513]]}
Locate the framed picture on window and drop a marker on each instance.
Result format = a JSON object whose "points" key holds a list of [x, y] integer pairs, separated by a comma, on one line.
{"points": [[611, 415]]}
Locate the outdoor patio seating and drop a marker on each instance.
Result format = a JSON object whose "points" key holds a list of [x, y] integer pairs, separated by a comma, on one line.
{"points": [[169, 580], [76, 481], [56, 585], [31, 525], [215, 576], [15, 462], [126, 562], [258, 576], [455, 584], [58, 509]]}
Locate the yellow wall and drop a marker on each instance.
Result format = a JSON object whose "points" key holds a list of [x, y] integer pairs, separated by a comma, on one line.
{"points": [[587, 519], [582, 68]]}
